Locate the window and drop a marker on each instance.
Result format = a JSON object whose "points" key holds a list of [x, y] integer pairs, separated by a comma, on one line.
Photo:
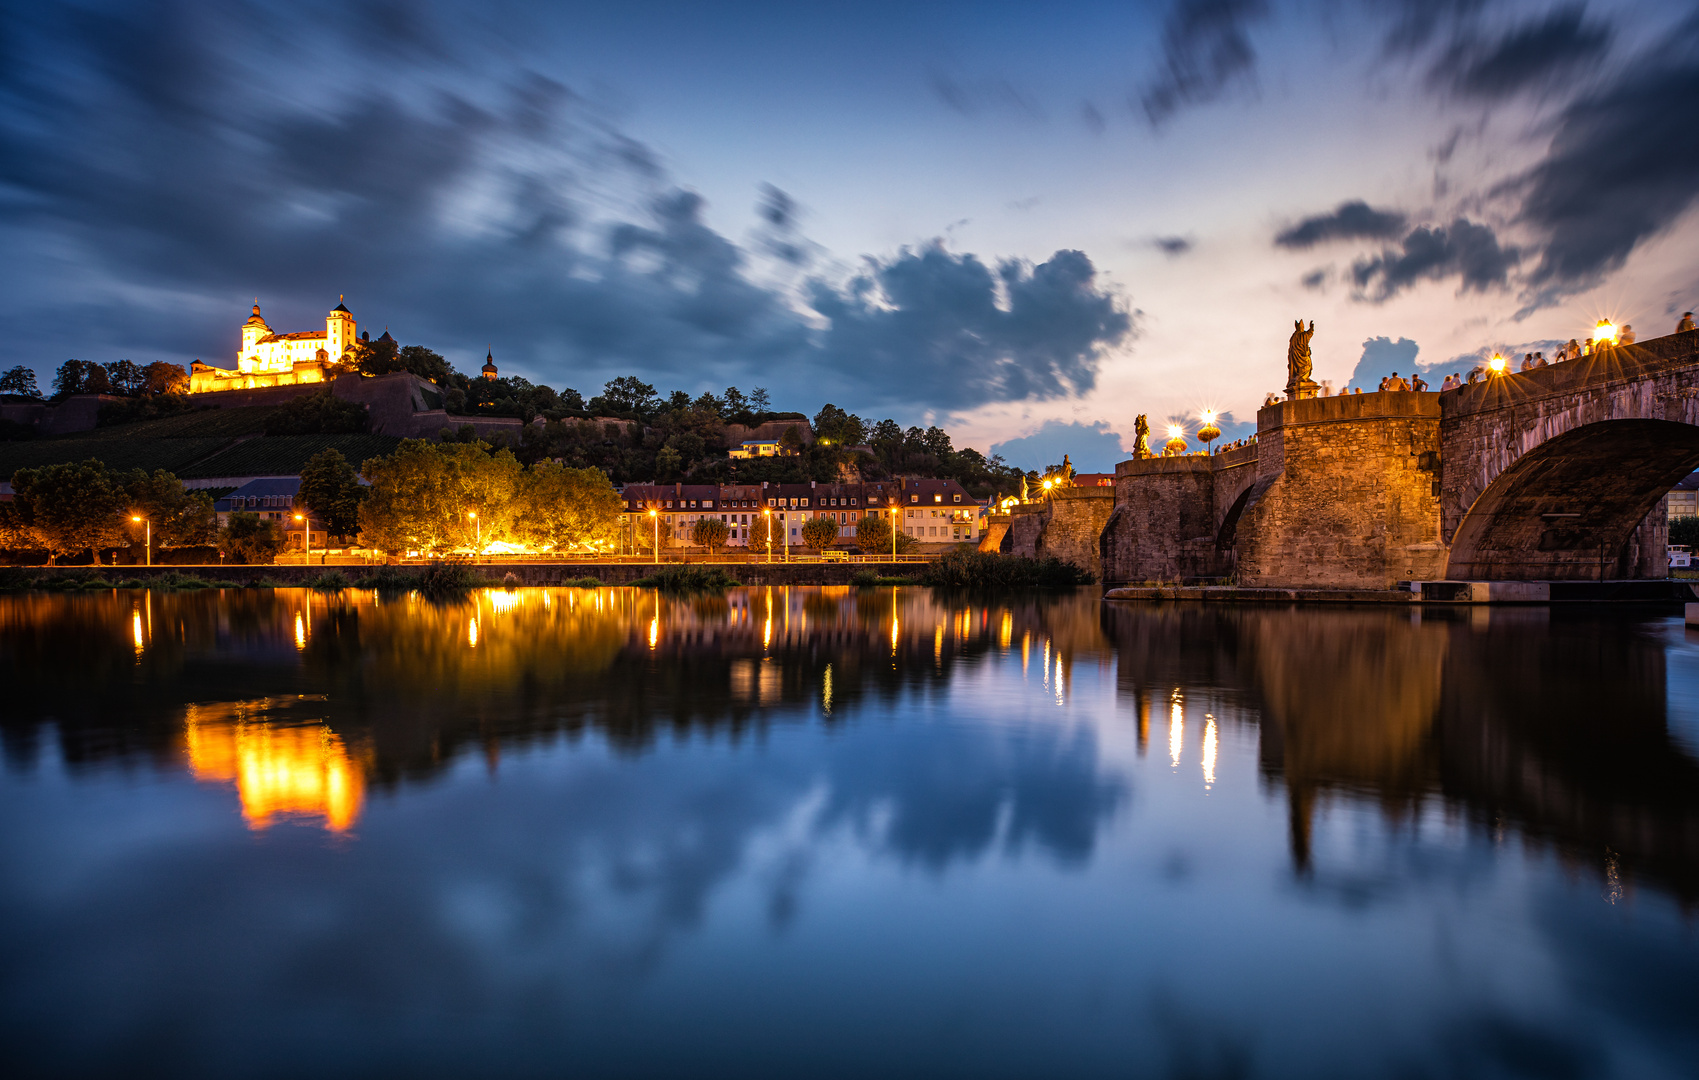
{"points": [[805, 502], [772, 502], [958, 498], [914, 498], [852, 500]]}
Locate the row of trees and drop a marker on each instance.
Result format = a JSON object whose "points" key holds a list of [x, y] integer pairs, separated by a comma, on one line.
{"points": [[436, 497], [85, 506]]}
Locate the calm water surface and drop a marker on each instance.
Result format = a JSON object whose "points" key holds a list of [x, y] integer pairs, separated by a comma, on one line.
{"points": [[812, 832]]}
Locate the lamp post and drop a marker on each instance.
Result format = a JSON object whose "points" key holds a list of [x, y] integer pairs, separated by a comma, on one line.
{"points": [[307, 534], [149, 549], [656, 518], [477, 531], [785, 517], [768, 514], [1497, 364], [893, 536]]}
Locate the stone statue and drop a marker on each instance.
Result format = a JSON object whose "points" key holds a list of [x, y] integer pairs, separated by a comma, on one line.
{"points": [[1141, 437], [1298, 365], [1023, 488], [1065, 476]]}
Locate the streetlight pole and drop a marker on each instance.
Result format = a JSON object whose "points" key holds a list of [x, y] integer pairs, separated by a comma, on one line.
{"points": [[148, 550], [657, 519], [477, 531], [768, 514], [785, 515], [307, 533]]}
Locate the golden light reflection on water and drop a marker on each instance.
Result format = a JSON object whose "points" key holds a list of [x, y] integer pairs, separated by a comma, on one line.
{"points": [[279, 770], [1208, 751], [136, 629], [300, 631], [1176, 730], [472, 633]]}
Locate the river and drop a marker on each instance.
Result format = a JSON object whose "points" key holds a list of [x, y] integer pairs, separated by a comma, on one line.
{"points": [[840, 832]]}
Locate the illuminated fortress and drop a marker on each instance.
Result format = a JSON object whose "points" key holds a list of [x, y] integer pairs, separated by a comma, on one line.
{"points": [[272, 359]]}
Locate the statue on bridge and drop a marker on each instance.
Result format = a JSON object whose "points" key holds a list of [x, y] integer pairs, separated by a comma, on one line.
{"points": [[1141, 437], [1298, 364]]}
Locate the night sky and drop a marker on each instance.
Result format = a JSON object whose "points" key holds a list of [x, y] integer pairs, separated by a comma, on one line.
{"points": [[1026, 222]]}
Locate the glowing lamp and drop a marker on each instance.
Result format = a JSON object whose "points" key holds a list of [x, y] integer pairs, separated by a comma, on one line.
{"points": [[1497, 364], [1047, 484], [1604, 333], [137, 518], [1210, 431], [1176, 440]]}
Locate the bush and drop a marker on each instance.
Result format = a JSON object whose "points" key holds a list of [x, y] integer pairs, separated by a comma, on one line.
{"points": [[865, 579], [582, 583], [969, 568], [686, 579], [448, 579], [331, 581], [388, 579]]}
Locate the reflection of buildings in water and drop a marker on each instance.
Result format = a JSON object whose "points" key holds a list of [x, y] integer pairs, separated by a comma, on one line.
{"points": [[280, 769], [1552, 724]]}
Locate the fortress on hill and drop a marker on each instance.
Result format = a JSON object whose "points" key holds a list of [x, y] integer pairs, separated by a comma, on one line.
{"points": [[268, 358]]}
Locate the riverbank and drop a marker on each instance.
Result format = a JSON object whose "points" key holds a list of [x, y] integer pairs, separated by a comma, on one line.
{"points": [[1427, 592], [493, 574]]}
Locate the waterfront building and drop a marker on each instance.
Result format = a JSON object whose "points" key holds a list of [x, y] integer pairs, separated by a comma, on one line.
{"points": [[931, 511], [1683, 499]]}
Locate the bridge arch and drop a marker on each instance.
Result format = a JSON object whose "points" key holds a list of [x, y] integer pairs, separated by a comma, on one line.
{"points": [[1567, 508]]}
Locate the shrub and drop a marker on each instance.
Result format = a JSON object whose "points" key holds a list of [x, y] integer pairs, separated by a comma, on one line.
{"points": [[582, 583], [388, 579], [330, 581], [969, 568], [448, 579], [685, 579], [868, 578], [1684, 530]]}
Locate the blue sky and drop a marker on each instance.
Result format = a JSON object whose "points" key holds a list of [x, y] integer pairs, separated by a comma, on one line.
{"points": [[1010, 219]]}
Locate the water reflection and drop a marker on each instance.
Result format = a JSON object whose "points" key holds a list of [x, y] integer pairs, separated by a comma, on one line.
{"points": [[927, 833], [278, 769]]}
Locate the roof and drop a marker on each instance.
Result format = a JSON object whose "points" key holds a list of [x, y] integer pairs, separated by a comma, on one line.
{"points": [[759, 442], [268, 487], [386, 336], [340, 308], [489, 361], [1690, 482]]}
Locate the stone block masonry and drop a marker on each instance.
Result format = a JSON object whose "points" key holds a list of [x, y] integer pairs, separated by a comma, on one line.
{"points": [[1351, 497]]}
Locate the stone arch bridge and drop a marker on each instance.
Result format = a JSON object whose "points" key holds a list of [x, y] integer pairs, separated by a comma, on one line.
{"points": [[1547, 475]]}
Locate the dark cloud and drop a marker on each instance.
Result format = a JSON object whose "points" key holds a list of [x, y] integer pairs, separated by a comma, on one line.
{"points": [[931, 325], [1462, 248], [1529, 57], [156, 152], [1315, 279], [1353, 220], [1622, 167], [1205, 49], [1173, 245]]}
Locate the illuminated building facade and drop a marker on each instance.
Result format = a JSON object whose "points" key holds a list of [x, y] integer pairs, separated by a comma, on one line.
{"points": [[268, 358]]}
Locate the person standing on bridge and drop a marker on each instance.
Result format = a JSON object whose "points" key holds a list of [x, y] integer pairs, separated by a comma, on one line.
{"points": [[1685, 324], [1627, 335], [1417, 384], [1451, 382]]}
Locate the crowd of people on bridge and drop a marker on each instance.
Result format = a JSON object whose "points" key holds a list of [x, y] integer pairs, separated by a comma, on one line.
{"points": [[1571, 350]]}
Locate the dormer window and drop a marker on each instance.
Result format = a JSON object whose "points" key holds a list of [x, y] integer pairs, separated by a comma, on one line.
{"points": [[958, 498], [914, 498], [937, 498]]}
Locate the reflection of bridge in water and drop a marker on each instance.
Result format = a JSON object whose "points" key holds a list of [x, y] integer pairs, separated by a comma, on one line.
{"points": [[1556, 727]]}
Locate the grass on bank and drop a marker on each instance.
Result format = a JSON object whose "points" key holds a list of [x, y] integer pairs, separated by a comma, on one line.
{"points": [[866, 579], [688, 579], [970, 569]]}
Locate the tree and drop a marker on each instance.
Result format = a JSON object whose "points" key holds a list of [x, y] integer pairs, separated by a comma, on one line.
{"points": [[710, 533], [424, 363], [126, 377], [174, 516], [873, 536], [424, 495], [569, 509], [331, 491], [758, 401], [160, 377], [20, 381], [834, 425], [80, 377], [628, 396], [791, 439], [247, 539], [820, 533], [71, 507]]}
